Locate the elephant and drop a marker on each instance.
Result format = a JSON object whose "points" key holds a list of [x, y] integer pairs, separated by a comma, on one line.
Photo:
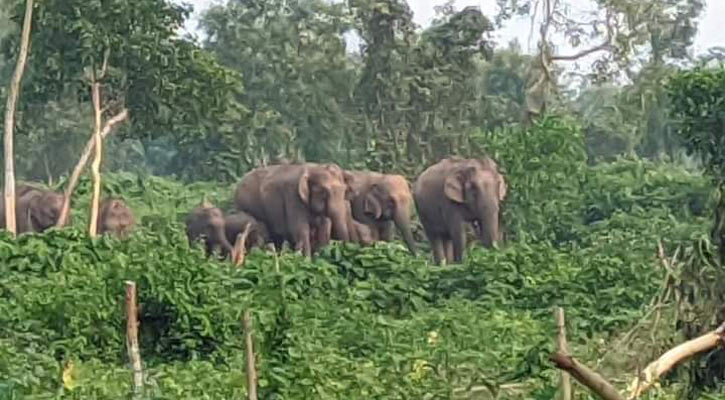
{"points": [[207, 221], [115, 217], [380, 201], [236, 222], [455, 191], [291, 199], [36, 209]]}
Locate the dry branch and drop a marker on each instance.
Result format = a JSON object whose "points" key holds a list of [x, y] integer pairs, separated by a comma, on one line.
{"points": [[83, 160], [239, 249], [249, 350], [134, 354], [673, 357], [595, 382], [563, 347], [9, 191]]}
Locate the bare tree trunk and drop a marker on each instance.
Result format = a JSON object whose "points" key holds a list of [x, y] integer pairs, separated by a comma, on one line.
{"points": [[134, 355], [96, 166], [9, 193], [251, 368], [83, 160]]}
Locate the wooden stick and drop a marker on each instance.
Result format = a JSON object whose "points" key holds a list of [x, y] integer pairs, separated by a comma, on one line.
{"points": [[96, 166], [563, 347], [82, 161], [251, 369], [239, 249], [11, 105], [595, 382], [673, 357], [134, 354]]}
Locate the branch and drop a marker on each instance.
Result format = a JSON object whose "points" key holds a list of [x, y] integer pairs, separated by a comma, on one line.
{"points": [[73, 182], [583, 53], [9, 191], [563, 347], [134, 354], [673, 357], [585, 376]]}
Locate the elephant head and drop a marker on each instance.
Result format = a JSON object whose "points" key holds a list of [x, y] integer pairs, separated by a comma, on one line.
{"points": [[478, 186], [322, 188], [381, 198], [38, 210], [207, 222], [115, 217]]}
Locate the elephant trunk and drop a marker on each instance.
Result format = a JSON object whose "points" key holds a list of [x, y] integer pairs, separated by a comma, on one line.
{"points": [[218, 235], [339, 220], [402, 222], [488, 220]]}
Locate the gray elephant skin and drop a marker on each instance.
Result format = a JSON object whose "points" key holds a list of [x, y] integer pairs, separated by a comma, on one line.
{"points": [[236, 222], [36, 209], [206, 222], [115, 217], [296, 201], [456, 191], [380, 202]]}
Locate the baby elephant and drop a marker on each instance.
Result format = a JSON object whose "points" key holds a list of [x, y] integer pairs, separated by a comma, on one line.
{"points": [[237, 222], [207, 222], [36, 209], [115, 217]]}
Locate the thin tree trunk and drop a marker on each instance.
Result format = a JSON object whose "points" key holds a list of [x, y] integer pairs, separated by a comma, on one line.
{"points": [[134, 354], [251, 369], [83, 160], [9, 192], [562, 346], [96, 166]]}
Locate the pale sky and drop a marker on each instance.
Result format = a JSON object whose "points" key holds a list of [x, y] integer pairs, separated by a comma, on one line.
{"points": [[710, 34]]}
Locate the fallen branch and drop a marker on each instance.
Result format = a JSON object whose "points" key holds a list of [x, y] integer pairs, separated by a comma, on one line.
{"points": [[249, 350], [595, 382], [134, 354], [673, 357], [11, 105], [78, 169]]}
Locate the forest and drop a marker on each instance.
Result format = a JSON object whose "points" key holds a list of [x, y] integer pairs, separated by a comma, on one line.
{"points": [[613, 211]]}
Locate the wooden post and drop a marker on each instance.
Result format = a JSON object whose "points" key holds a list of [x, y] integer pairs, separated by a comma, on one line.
{"points": [[11, 105], [134, 354], [562, 346], [251, 369]]}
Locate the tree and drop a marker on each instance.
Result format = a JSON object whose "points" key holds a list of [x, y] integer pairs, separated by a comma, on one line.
{"points": [[127, 59], [14, 92]]}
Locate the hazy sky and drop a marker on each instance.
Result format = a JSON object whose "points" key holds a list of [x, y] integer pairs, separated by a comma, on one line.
{"points": [[709, 34]]}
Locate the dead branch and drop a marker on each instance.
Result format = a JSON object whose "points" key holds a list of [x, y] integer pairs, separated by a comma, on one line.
{"points": [[11, 105], [595, 382], [83, 160], [563, 347], [673, 357], [251, 369], [239, 250], [134, 355]]}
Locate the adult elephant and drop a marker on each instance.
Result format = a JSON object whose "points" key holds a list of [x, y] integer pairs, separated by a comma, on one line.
{"points": [[456, 191], [381, 201], [36, 209], [294, 199]]}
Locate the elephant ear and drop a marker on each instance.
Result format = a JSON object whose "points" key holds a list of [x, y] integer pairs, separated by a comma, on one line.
{"points": [[453, 187], [371, 204], [303, 187]]}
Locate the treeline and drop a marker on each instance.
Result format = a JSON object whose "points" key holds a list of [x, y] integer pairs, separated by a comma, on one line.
{"points": [[405, 98]]}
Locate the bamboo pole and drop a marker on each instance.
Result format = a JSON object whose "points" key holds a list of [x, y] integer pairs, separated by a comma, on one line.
{"points": [[11, 105], [251, 369], [134, 354], [562, 346]]}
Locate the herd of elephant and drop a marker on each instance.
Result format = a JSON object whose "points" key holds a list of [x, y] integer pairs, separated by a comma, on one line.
{"points": [[308, 204]]}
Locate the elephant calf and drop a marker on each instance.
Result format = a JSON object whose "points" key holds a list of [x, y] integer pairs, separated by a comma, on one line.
{"points": [[237, 222], [115, 217], [207, 222], [455, 191], [36, 209]]}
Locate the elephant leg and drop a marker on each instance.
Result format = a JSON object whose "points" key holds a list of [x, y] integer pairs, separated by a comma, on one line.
{"points": [[437, 246], [448, 245], [302, 240], [458, 236]]}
